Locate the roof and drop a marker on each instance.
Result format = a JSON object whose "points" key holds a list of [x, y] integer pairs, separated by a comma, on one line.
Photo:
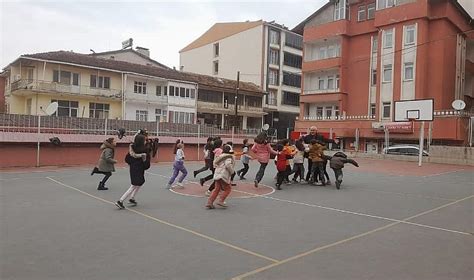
{"points": [[220, 31], [132, 51], [127, 67], [300, 27]]}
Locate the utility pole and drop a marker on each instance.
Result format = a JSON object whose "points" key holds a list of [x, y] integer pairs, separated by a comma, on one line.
{"points": [[236, 98]]}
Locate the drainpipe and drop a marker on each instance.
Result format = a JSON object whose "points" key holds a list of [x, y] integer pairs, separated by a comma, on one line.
{"points": [[123, 100]]}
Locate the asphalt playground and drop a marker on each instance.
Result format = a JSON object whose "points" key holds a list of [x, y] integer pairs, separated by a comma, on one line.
{"points": [[390, 220]]}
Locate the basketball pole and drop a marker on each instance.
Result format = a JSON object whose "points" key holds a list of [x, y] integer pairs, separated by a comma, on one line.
{"points": [[422, 136]]}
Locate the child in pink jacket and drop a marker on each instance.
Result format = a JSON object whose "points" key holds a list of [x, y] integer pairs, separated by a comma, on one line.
{"points": [[262, 150]]}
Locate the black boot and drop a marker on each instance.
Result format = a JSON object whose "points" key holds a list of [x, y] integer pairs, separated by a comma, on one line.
{"points": [[102, 187], [95, 170]]}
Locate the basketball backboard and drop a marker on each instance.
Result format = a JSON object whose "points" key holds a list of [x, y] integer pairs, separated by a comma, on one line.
{"points": [[414, 110]]}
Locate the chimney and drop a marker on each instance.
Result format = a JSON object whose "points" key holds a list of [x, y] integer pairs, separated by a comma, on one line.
{"points": [[143, 51]]}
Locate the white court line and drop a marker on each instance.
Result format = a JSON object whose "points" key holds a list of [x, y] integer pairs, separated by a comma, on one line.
{"points": [[170, 224], [258, 270], [362, 214], [193, 195], [403, 194], [443, 173]]}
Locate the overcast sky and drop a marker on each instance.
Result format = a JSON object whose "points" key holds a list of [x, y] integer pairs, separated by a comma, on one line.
{"points": [[164, 27]]}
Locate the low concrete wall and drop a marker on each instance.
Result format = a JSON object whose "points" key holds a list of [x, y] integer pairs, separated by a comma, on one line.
{"points": [[438, 154]]}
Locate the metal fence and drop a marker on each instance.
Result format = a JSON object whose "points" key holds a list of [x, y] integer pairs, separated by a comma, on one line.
{"points": [[69, 125]]}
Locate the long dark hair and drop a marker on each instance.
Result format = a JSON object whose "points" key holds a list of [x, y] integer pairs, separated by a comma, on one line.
{"points": [[261, 138], [139, 144], [299, 145], [175, 147]]}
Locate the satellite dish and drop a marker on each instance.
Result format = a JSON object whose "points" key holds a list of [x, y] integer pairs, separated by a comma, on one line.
{"points": [[458, 104], [266, 127], [52, 108]]}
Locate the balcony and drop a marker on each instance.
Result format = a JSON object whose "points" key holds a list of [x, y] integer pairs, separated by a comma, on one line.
{"points": [[149, 98], [327, 30], [26, 87], [328, 63], [318, 96], [219, 108]]}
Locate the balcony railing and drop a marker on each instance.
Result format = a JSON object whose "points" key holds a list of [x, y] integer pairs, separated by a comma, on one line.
{"points": [[230, 107], [149, 97], [321, 91], [337, 118], [48, 86], [272, 101]]}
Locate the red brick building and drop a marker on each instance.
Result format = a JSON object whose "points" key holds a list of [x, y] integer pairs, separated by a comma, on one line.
{"points": [[360, 56]]}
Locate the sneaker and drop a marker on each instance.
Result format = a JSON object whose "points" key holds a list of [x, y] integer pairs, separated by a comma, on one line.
{"points": [[243, 178], [338, 184], [288, 182], [201, 182], [208, 193], [222, 204], [119, 204], [278, 186], [318, 184], [210, 206], [294, 180], [255, 183], [102, 188], [132, 201], [194, 173], [179, 186]]}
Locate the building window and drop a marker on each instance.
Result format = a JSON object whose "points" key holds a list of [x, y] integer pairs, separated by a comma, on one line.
{"points": [[292, 60], [215, 67], [373, 79], [216, 49], [66, 77], [158, 90], [292, 80], [161, 115], [294, 41], [330, 82], [142, 115], [319, 112], [274, 57], [388, 38], [252, 101], [337, 81], [386, 4], [139, 87], [176, 91], [410, 35], [272, 97], [387, 73], [273, 78], [181, 117], [291, 98], [67, 108], [171, 90], [182, 92], [361, 13], [193, 93], [165, 90], [371, 11], [375, 44], [321, 83], [274, 37], [408, 71], [341, 9], [386, 110], [322, 53], [372, 110], [100, 82], [99, 110], [328, 112]]}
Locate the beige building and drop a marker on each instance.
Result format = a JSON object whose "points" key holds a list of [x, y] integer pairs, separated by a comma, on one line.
{"points": [[265, 53]]}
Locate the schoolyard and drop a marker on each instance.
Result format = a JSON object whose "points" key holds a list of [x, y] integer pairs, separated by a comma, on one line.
{"points": [[390, 220]]}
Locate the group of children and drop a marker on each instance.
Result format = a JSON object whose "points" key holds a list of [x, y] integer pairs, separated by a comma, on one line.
{"points": [[219, 158]]}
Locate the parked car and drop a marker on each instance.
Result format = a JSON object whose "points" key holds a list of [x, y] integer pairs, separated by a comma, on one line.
{"points": [[409, 150]]}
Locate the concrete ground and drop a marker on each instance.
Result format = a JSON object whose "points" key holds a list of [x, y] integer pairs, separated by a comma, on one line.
{"points": [[390, 220]]}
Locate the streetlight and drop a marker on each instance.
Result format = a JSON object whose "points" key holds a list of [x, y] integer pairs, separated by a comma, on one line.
{"points": [[51, 109]]}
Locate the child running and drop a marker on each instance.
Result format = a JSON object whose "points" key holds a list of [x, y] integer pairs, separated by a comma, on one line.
{"points": [[245, 159], [224, 168], [316, 155], [281, 164], [216, 152], [138, 158], [178, 166], [106, 162], [298, 161], [262, 149], [207, 158], [337, 163]]}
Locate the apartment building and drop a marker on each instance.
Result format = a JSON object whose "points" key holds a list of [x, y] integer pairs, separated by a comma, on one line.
{"points": [[266, 54], [361, 56], [92, 87]]}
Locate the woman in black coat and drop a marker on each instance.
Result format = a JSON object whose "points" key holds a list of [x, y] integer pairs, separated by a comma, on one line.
{"points": [[138, 158]]}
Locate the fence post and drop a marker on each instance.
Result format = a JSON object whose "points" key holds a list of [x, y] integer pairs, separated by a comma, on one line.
{"points": [[199, 141], [157, 128], [357, 140], [233, 129], [105, 127], [38, 146]]}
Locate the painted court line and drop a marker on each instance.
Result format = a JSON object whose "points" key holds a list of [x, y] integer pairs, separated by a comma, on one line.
{"points": [[363, 214], [253, 272], [404, 194], [443, 173], [170, 224]]}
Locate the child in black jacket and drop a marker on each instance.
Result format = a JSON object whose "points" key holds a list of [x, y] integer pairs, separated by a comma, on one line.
{"points": [[337, 163]]}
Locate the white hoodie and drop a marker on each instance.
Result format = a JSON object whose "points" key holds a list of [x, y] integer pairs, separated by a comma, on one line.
{"points": [[224, 165]]}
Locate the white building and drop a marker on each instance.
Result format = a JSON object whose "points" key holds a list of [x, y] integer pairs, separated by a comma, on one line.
{"points": [[265, 53]]}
